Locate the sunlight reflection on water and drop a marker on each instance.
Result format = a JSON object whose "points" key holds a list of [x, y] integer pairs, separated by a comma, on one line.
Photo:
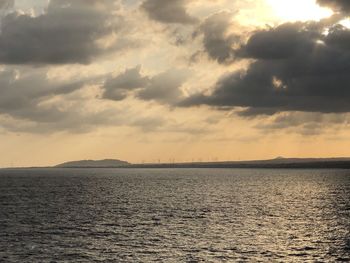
{"points": [[187, 215]]}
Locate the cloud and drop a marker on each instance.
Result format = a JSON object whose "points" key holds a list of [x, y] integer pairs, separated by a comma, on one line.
{"points": [[296, 67], [304, 123], [117, 88], [168, 11], [163, 88], [277, 43], [71, 31], [6, 4], [23, 101], [338, 5], [217, 40], [52, 105]]}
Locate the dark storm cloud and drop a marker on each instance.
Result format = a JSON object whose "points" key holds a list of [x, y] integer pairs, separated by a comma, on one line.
{"points": [[296, 68], [168, 11], [67, 33], [282, 42], [217, 41], [337, 5], [163, 88]]}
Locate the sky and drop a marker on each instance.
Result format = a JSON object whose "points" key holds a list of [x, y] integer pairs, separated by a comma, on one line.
{"points": [[173, 80]]}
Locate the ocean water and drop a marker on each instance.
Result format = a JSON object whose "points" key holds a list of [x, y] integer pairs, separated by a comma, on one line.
{"points": [[183, 215]]}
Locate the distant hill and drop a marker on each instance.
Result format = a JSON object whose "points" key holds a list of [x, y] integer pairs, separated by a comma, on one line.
{"points": [[108, 163]]}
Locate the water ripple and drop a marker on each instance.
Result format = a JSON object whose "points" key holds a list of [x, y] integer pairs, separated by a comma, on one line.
{"points": [[203, 215]]}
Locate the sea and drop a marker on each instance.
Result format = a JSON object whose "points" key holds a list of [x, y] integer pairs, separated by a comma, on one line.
{"points": [[174, 215]]}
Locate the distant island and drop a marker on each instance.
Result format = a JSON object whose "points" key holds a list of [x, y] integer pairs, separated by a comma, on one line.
{"points": [[278, 162], [107, 163]]}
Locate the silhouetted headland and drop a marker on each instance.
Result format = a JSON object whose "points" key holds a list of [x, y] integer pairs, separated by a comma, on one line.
{"points": [[280, 162]]}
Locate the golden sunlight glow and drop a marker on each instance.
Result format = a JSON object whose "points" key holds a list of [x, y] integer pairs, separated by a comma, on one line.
{"points": [[278, 84], [345, 23], [298, 10]]}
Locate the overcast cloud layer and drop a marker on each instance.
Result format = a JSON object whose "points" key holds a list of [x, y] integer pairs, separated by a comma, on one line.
{"points": [[78, 65]]}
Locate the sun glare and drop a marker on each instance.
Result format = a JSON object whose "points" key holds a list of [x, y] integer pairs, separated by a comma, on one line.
{"points": [[345, 23], [298, 10]]}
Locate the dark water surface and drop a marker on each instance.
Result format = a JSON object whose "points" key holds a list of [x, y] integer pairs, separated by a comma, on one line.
{"points": [[209, 215]]}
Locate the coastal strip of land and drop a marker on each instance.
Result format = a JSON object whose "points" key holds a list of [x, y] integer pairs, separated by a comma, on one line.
{"points": [[278, 163], [317, 163]]}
